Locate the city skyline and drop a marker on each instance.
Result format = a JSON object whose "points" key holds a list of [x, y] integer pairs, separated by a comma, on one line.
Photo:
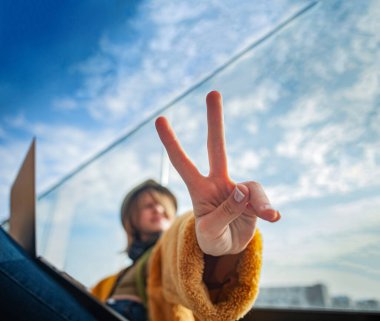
{"points": [[315, 296]]}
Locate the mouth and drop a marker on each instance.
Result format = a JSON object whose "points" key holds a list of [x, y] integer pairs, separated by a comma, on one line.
{"points": [[157, 219]]}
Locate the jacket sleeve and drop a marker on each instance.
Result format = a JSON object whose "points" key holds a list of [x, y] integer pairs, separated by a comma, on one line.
{"points": [[103, 289], [176, 284]]}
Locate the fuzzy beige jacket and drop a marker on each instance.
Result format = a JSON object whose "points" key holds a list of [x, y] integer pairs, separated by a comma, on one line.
{"points": [[184, 284]]}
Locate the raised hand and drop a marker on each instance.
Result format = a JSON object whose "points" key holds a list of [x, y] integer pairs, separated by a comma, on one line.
{"points": [[225, 212]]}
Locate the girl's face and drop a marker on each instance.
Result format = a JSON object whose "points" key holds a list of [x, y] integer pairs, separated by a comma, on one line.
{"points": [[152, 217]]}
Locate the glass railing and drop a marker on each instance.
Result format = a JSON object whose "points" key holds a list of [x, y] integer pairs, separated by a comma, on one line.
{"points": [[302, 117]]}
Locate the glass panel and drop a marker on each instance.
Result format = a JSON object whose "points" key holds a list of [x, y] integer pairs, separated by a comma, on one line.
{"points": [[83, 232], [302, 115]]}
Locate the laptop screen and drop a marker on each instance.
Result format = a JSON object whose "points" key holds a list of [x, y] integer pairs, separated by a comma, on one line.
{"points": [[23, 204]]}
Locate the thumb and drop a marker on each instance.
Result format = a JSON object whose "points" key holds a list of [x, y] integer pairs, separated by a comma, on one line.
{"points": [[228, 211], [234, 205], [212, 227]]}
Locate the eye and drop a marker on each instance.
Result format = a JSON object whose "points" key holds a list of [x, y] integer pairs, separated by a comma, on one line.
{"points": [[149, 205]]}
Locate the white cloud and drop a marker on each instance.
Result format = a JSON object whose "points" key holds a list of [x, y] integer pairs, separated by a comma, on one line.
{"points": [[189, 121], [258, 100], [97, 64], [75, 147], [322, 179], [315, 244], [252, 127], [360, 268], [330, 244], [309, 111], [175, 48], [324, 234], [60, 149], [365, 90], [174, 14], [245, 164], [17, 121], [65, 104], [330, 180], [366, 24], [320, 134]]}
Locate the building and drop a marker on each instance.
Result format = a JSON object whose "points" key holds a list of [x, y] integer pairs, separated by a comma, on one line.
{"points": [[370, 304], [296, 296], [341, 302]]}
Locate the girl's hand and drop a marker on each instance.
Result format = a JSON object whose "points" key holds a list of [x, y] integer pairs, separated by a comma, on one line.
{"points": [[225, 212]]}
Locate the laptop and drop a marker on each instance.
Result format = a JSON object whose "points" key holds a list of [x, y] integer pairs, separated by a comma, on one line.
{"points": [[22, 228]]}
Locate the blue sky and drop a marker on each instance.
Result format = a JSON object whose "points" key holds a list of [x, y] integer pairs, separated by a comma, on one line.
{"points": [[79, 75], [41, 40], [302, 114]]}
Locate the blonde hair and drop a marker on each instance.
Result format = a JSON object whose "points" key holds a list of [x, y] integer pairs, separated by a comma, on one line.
{"points": [[130, 206]]}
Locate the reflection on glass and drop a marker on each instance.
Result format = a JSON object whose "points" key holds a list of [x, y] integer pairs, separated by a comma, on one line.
{"points": [[302, 115]]}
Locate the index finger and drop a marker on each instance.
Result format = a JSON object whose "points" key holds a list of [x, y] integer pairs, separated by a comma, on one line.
{"points": [[177, 155]]}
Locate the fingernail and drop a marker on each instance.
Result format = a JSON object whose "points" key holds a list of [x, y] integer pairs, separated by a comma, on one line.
{"points": [[277, 218], [238, 195]]}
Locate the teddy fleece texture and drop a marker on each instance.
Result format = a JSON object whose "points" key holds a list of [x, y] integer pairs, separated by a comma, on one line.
{"points": [[176, 288]]}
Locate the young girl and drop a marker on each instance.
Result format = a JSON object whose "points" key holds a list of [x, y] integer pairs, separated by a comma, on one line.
{"points": [[206, 265], [147, 211]]}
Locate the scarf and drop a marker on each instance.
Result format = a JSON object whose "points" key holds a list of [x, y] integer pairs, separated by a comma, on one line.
{"points": [[139, 247]]}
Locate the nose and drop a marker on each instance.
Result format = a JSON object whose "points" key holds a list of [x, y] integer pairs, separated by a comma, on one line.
{"points": [[158, 208]]}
